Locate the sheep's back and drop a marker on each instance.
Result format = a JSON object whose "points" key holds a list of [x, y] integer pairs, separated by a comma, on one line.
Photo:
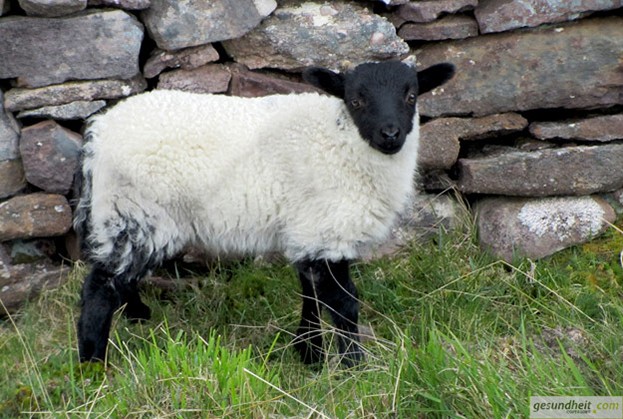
{"points": [[281, 173]]}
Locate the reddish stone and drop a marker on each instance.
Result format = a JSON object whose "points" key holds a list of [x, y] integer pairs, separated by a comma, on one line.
{"points": [[439, 143], [504, 15], [34, 215], [252, 84], [601, 128], [429, 10], [571, 66], [212, 78], [451, 27], [50, 154]]}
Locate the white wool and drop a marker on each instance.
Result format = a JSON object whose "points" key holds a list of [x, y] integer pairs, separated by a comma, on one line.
{"points": [[285, 173]]}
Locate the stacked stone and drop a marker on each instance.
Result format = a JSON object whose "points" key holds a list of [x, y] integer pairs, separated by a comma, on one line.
{"points": [[530, 129], [487, 132]]}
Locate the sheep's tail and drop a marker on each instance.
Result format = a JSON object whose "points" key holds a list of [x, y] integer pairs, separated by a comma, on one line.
{"points": [[83, 186]]}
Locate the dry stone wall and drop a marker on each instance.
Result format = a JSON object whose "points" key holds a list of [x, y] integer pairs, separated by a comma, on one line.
{"points": [[529, 132]]}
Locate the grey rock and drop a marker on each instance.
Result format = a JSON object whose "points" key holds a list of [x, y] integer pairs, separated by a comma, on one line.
{"points": [[80, 109], [426, 216], [529, 70], [95, 45], [177, 24], [449, 27], [52, 8], [253, 84], [29, 251], [186, 59], [440, 138], [504, 15], [332, 35], [12, 178], [600, 128], [581, 170], [22, 282], [50, 154], [34, 215], [616, 200], [429, 10], [122, 4], [211, 78], [536, 228], [9, 134], [21, 98]]}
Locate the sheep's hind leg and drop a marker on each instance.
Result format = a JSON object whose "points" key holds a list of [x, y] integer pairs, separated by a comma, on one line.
{"points": [[135, 309], [100, 299], [332, 286]]}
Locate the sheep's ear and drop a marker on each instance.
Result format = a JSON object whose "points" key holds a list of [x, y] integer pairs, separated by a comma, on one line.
{"points": [[434, 76], [327, 80]]}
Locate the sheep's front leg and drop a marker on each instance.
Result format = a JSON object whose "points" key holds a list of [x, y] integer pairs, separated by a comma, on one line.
{"points": [[329, 285], [308, 341], [99, 302]]}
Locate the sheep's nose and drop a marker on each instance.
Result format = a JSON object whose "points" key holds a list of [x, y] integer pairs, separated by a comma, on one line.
{"points": [[390, 133]]}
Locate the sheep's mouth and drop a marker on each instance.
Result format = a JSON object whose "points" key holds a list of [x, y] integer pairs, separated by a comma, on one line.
{"points": [[387, 147]]}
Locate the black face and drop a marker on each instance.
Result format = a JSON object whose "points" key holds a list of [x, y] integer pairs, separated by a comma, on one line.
{"points": [[381, 97]]}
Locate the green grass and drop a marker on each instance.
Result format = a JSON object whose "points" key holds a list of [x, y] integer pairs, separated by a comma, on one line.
{"points": [[455, 333]]}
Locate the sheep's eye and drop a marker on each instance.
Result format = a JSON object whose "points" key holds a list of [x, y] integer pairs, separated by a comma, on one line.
{"points": [[411, 99], [356, 103]]}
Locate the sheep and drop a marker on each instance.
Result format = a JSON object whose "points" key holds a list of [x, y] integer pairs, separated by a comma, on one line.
{"points": [[319, 178]]}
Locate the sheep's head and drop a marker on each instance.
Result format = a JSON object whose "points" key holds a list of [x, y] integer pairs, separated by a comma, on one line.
{"points": [[381, 97]]}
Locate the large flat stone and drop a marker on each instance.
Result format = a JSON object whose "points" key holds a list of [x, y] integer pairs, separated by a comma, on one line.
{"points": [[536, 228], [80, 109], [95, 45], [504, 15], [440, 138], [600, 128], [575, 65], [34, 215], [324, 34], [449, 27], [177, 24], [52, 8], [19, 98], [581, 170]]}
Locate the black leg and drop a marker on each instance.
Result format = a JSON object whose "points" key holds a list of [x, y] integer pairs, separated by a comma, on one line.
{"points": [[308, 341], [99, 302], [135, 309], [332, 286]]}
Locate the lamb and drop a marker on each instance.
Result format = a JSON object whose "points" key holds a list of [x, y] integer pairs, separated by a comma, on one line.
{"points": [[319, 178]]}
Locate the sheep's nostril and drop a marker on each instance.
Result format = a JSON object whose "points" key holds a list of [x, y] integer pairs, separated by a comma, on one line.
{"points": [[390, 133]]}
